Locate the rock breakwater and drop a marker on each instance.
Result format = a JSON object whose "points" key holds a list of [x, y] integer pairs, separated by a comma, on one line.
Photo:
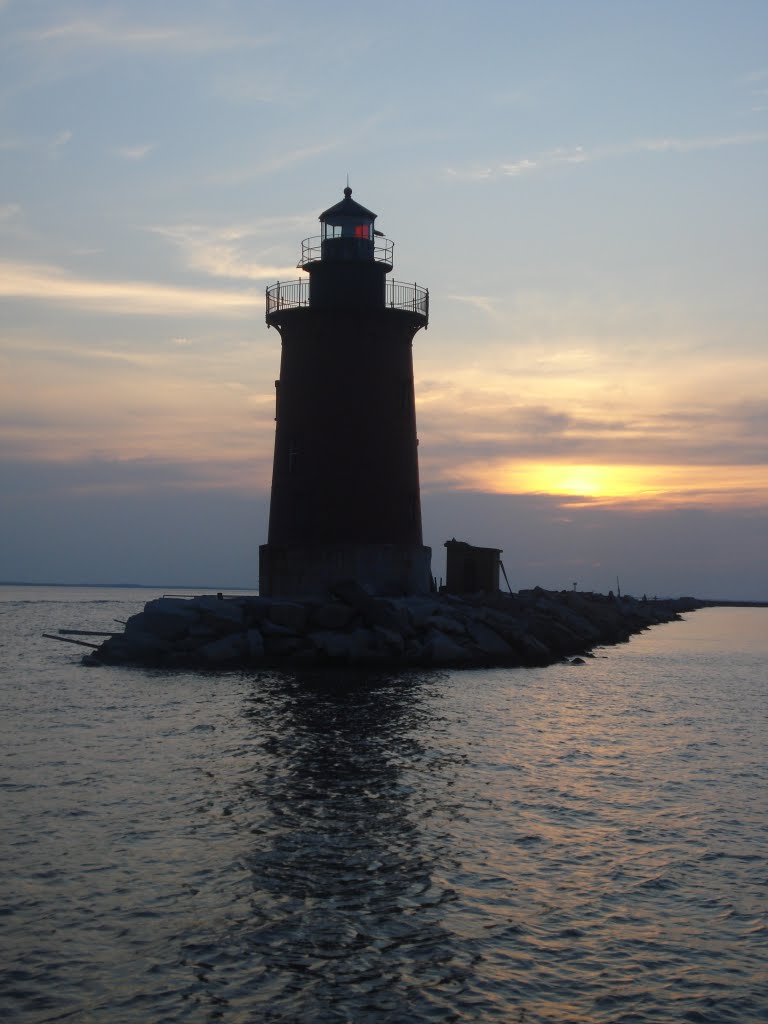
{"points": [[530, 628]]}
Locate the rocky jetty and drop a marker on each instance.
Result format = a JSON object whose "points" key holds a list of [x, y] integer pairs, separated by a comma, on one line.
{"points": [[352, 628]]}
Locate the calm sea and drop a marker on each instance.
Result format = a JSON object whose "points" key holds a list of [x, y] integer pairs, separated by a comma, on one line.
{"points": [[570, 844]]}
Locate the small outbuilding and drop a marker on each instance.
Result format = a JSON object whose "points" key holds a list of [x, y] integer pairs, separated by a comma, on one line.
{"points": [[470, 569]]}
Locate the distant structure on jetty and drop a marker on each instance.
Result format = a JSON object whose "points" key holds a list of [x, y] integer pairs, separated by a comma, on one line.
{"points": [[345, 498]]}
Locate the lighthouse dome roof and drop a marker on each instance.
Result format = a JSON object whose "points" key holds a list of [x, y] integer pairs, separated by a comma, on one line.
{"points": [[347, 208]]}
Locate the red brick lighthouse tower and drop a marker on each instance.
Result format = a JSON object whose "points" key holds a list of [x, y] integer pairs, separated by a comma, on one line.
{"points": [[345, 478]]}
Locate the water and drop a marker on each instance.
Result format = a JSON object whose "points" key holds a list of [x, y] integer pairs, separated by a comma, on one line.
{"points": [[542, 846]]}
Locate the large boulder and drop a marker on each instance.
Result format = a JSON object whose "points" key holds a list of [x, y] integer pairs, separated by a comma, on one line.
{"points": [[255, 609], [421, 610], [380, 612], [447, 624], [225, 651], [533, 651], [282, 645], [165, 617], [488, 641], [289, 615], [357, 646], [255, 645], [442, 649], [136, 646], [333, 615], [389, 641]]}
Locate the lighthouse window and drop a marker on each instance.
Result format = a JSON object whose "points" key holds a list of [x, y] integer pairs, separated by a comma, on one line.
{"points": [[362, 231], [332, 230]]}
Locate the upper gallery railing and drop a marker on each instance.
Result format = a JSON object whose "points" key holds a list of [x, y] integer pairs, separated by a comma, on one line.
{"points": [[398, 295], [378, 248]]}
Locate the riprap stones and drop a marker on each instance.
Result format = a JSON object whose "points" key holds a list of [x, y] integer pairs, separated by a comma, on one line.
{"points": [[352, 628]]}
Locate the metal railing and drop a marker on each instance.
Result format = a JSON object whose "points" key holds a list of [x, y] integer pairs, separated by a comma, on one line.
{"points": [[378, 248], [398, 295], [287, 295], [411, 297]]}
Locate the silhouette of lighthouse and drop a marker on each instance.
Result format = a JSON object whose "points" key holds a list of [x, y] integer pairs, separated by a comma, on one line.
{"points": [[345, 480]]}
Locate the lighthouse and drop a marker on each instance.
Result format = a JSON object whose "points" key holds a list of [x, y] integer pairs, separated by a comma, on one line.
{"points": [[345, 498]]}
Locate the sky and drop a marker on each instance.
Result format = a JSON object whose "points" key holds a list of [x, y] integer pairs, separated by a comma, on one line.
{"points": [[580, 185]]}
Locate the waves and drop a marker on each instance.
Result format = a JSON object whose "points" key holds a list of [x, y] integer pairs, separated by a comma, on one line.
{"points": [[537, 846]]}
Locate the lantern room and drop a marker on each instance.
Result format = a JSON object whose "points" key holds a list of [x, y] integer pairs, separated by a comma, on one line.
{"points": [[346, 230], [347, 266]]}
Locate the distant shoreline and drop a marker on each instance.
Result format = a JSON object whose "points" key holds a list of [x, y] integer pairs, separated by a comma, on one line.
{"points": [[128, 586], [702, 602]]}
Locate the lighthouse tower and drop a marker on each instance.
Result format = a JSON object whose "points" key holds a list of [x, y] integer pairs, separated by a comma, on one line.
{"points": [[345, 478]]}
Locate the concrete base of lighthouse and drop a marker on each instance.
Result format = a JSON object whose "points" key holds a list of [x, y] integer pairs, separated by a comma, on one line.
{"points": [[307, 571]]}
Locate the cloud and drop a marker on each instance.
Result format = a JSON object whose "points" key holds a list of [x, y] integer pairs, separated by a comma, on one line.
{"points": [[695, 427], [226, 251], [102, 474], [136, 390], [608, 483], [134, 152], [367, 127], [61, 139], [251, 87], [50, 284], [564, 155], [666, 145], [9, 212], [278, 162], [106, 32], [50, 144], [481, 302]]}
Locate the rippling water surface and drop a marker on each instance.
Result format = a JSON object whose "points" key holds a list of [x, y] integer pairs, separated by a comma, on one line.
{"points": [[555, 845]]}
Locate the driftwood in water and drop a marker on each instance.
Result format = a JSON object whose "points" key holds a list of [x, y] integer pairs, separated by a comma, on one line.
{"points": [[70, 640], [89, 632]]}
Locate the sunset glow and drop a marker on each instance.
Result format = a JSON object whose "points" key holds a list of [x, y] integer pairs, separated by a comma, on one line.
{"points": [[649, 486], [583, 196]]}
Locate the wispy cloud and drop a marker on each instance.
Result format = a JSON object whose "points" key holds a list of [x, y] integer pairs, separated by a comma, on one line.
{"points": [[564, 155], [367, 127], [50, 284], [757, 83], [271, 164], [580, 413], [134, 152], [101, 32], [49, 145], [481, 302], [250, 87], [223, 252], [9, 212]]}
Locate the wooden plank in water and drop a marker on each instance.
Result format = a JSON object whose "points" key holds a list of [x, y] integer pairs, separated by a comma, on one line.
{"points": [[83, 643], [90, 632]]}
